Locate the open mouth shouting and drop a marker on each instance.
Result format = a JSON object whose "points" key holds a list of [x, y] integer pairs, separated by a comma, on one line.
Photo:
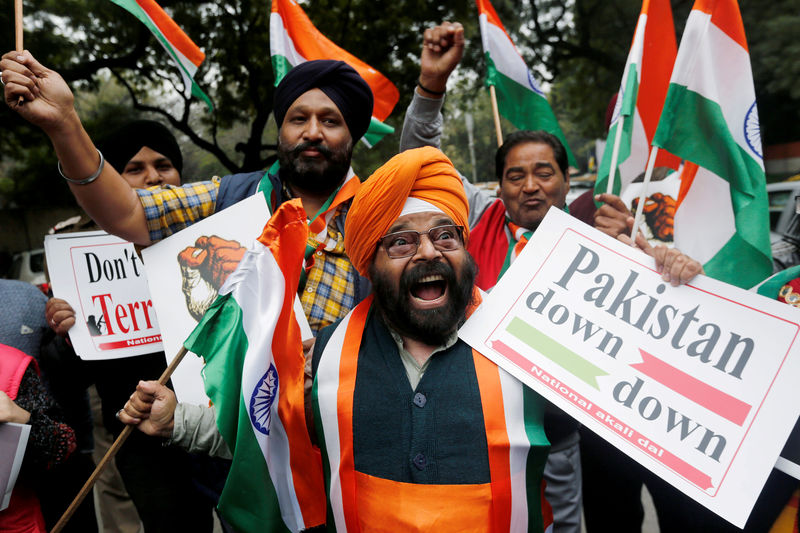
{"points": [[428, 292]]}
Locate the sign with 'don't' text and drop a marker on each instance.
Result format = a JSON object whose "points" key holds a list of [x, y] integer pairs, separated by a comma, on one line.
{"points": [[103, 279]]}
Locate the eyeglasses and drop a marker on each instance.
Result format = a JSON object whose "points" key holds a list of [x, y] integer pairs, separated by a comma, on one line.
{"points": [[405, 243]]}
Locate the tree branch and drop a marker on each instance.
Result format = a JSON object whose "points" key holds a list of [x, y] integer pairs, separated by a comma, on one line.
{"points": [[181, 125]]}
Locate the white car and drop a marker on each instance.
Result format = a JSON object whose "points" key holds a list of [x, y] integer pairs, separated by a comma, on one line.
{"points": [[29, 266]]}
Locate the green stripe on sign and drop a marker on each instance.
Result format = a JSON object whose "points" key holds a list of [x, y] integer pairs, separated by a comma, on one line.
{"points": [[558, 353]]}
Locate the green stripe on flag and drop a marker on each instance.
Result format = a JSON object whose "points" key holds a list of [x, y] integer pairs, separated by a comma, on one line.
{"points": [[326, 465], [627, 110], [739, 263], [533, 409], [248, 500], [377, 130], [558, 353], [694, 128], [280, 67], [524, 108]]}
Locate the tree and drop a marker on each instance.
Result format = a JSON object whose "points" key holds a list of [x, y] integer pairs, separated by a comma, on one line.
{"points": [[88, 41], [576, 47]]}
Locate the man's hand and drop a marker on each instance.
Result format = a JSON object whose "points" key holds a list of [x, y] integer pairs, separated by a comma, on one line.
{"points": [[48, 101], [674, 266], [442, 48], [60, 316], [11, 412], [613, 217], [151, 408]]}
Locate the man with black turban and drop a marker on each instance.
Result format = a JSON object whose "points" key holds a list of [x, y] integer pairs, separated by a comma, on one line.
{"points": [[321, 107]]}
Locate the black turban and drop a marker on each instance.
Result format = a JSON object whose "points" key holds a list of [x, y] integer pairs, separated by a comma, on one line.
{"points": [[121, 145], [339, 81]]}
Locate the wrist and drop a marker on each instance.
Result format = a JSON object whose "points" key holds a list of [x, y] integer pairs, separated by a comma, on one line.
{"points": [[431, 86], [68, 125], [20, 416]]}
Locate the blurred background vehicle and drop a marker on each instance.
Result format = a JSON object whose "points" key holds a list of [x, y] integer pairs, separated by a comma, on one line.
{"points": [[29, 266]]}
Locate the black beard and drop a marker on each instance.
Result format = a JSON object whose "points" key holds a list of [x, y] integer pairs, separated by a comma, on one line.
{"points": [[314, 176], [431, 326]]}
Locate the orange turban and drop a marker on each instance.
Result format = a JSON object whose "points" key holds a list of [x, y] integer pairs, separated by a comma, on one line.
{"points": [[423, 173]]}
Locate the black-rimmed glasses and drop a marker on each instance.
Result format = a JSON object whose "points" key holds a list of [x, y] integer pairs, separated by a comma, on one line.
{"points": [[405, 243]]}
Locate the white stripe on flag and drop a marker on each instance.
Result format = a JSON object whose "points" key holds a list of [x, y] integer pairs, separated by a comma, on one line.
{"points": [[505, 56], [280, 43], [514, 407], [634, 164], [327, 395], [707, 205], [259, 321], [718, 70]]}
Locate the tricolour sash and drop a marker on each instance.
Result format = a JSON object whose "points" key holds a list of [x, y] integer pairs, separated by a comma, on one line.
{"points": [[512, 501]]}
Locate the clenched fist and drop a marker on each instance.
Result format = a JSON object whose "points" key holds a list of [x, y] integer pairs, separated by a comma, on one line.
{"points": [[204, 268], [659, 213]]}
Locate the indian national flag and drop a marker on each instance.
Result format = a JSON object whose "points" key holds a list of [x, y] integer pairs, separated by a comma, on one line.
{"points": [[519, 97], [710, 119], [254, 376], [641, 97], [186, 55], [293, 39]]}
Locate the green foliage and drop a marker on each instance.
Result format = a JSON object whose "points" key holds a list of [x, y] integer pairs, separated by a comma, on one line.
{"points": [[577, 48]]}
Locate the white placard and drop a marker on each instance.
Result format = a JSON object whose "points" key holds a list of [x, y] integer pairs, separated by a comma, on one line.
{"points": [[13, 439], [697, 383], [103, 280], [187, 269]]}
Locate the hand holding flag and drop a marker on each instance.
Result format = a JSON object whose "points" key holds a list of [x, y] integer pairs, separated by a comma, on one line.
{"points": [[711, 120]]}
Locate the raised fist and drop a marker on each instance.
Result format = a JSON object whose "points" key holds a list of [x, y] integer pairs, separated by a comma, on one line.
{"points": [[659, 213], [204, 268]]}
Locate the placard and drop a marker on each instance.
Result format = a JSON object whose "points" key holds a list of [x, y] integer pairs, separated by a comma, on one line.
{"points": [[13, 439], [185, 272], [102, 278], [697, 383]]}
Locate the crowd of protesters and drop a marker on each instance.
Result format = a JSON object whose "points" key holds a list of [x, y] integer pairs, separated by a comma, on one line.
{"points": [[413, 242]]}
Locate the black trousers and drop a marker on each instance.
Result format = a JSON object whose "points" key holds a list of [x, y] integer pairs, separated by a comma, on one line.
{"points": [[159, 481], [612, 486]]}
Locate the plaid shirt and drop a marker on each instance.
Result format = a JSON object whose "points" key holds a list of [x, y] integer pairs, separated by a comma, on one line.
{"points": [[169, 209], [329, 292]]}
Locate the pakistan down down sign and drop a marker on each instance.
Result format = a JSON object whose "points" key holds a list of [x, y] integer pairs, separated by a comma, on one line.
{"points": [[697, 383]]}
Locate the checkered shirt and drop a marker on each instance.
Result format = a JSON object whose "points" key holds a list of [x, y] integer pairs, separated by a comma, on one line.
{"points": [[169, 208], [329, 293]]}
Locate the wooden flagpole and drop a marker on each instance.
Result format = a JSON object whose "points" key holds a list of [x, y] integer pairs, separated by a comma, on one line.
{"points": [[18, 24], [496, 114], [18, 34], [112, 451]]}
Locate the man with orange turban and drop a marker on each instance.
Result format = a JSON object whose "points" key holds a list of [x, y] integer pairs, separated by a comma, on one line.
{"points": [[418, 431]]}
